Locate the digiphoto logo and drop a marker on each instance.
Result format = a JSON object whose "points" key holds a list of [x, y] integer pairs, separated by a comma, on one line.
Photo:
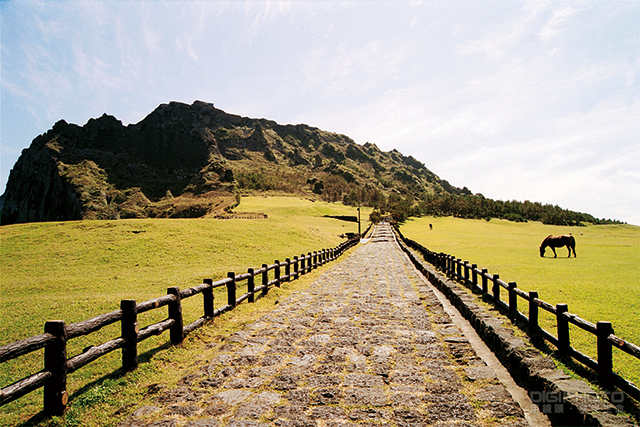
{"points": [[617, 398], [549, 402], [554, 402]]}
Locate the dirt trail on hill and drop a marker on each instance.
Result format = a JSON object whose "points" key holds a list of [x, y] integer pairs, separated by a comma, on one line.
{"points": [[367, 344]]}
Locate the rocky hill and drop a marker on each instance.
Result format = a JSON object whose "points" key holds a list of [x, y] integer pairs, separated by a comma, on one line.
{"points": [[192, 160]]}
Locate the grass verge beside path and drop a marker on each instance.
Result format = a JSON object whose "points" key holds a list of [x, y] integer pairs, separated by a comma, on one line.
{"points": [[108, 400], [602, 283], [79, 269]]}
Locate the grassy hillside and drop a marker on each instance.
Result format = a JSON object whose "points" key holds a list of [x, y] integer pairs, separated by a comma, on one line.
{"points": [[602, 283], [77, 270]]}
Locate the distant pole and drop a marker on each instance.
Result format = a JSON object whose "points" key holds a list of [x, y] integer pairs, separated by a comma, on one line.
{"points": [[359, 221]]}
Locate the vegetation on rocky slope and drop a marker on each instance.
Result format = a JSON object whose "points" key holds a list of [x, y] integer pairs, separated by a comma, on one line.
{"points": [[186, 161]]}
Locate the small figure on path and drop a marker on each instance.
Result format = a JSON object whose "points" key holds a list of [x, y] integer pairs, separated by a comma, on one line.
{"points": [[430, 226], [557, 242]]}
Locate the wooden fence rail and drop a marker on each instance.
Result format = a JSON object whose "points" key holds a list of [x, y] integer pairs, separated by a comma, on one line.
{"points": [[56, 333], [468, 275]]}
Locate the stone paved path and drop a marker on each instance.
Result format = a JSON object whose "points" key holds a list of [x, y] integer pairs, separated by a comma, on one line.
{"points": [[367, 344]]}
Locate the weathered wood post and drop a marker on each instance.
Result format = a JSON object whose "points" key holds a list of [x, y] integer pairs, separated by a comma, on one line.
{"points": [[176, 331], [277, 272], [513, 300], [496, 288], [295, 268], [265, 279], [466, 273], [533, 314], [231, 289], [129, 332], [605, 358], [287, 269], [458, 269], [485, 282], [208, 298], [55, 361], [310, 262], [563, 328], [303, 266], [251, 285], [474, 278], [315, 259]]}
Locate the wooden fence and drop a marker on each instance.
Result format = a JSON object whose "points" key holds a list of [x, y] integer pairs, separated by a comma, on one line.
{"points": [[56, 333], [480, 281], [241, 215]]}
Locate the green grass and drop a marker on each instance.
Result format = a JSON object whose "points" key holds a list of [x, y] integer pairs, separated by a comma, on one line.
{"points": [[601, 284], [76, 270]]}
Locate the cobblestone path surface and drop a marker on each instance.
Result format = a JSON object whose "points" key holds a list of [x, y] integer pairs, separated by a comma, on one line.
{"points": [[367, 344]]}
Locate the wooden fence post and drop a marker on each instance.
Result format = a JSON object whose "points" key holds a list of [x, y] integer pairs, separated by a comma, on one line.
{"points": [[485, 282], [265, 279], [605, 358], [207, 299], [231, 289], [466, 273], [251, 285], [176, 331], [458, 269], [513, 300], [295, 268], [496, 288], [533, 314], [310, 262], [129, 330], [287, 269], [303, 266], [277, 272], [55, 361], [474, 277], [563, 329], [315, 259]]}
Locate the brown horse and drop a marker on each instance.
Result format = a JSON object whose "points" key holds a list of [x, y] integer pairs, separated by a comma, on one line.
{"points": [[557, 242]]}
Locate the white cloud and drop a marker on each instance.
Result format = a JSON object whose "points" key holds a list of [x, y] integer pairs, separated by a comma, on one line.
{"points": [[553, 26]]}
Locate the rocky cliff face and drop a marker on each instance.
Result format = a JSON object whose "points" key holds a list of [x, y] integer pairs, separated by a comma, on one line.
{"points": [[195, 156]]}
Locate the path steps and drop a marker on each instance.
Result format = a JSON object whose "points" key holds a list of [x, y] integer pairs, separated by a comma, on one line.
{"points": [[367, 344]]}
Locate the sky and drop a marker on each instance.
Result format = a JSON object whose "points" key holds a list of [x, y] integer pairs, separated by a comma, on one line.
{"points": [[515, 100]]}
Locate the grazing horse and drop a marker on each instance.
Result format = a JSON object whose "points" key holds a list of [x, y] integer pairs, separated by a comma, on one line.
{"points": [[557, 242]]}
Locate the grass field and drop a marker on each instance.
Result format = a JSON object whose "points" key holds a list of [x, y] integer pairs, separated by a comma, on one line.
{"points": [[601, 284], [77, 270]]}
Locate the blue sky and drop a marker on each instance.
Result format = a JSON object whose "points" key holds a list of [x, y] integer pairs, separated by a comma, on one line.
{"points": [[516, 100]]}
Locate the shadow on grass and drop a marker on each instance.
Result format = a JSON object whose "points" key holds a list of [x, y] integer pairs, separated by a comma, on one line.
{"points": [[41, 420]]}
